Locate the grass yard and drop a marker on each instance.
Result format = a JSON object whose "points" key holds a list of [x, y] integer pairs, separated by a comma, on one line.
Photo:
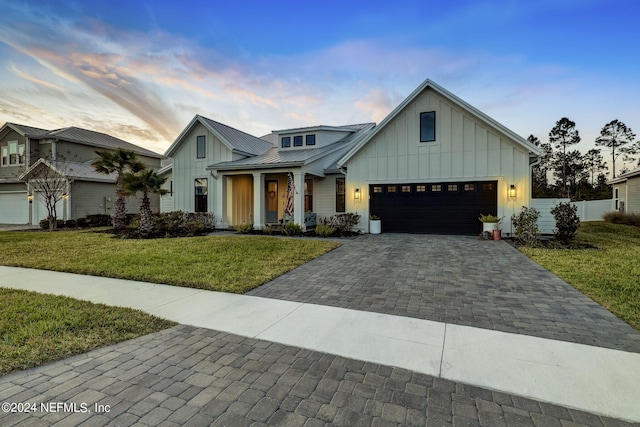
{"points": [[609, 275], [38, 328], [221, 263]]}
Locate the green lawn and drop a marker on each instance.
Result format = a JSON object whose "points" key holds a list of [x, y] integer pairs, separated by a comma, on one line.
{"points": [[228, 263], [610, 275], [37, 328]]}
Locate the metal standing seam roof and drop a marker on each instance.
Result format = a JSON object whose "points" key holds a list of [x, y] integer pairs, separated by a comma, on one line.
{"points": [[83, 136], [275, 158], [97, 139], [240, 141], [29, 131], [75, 170]]}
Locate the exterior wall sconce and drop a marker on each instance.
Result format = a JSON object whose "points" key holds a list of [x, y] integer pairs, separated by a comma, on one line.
{"points": [[30, 197], [512, 191], [65, 196], [356, 194]]}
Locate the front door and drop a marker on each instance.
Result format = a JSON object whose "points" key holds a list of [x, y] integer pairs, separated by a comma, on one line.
{"points": [[272, 201]]}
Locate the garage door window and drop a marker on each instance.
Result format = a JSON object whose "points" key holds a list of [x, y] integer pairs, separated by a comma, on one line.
{"points": [[421, 188], [391, 188], [406, 189], [452, 188], [436, 188], [377, 188], [469, 187]]}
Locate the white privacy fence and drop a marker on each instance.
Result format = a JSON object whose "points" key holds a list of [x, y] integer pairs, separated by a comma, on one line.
{"points": [[591, 210]]}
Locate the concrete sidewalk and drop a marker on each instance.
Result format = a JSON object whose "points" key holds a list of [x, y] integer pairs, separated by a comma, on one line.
{"points": [[596, 380]]}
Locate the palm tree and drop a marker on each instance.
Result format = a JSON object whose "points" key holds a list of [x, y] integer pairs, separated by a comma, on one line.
{"points": [[147, 181], [118, 161]]}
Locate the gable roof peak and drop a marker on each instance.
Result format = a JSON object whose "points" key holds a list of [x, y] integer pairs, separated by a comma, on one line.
{"points": [[430, 84], [234, 139]]}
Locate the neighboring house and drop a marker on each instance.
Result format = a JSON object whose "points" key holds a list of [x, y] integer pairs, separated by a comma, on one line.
{"points": [[626, 192], [432, 166], [69, 151]]}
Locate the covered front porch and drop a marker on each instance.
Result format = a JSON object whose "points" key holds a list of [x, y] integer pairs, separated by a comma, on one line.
{"points": [[263, 198]]}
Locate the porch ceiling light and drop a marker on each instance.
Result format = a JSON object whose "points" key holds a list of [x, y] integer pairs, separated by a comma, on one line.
{"points": [[512, 191], [356, 194]]}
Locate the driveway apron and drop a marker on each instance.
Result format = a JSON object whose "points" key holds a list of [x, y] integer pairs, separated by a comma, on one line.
{"points": [[453, 279]]}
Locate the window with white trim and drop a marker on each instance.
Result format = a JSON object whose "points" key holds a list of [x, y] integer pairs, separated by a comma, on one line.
{"points": [[13, 154]]}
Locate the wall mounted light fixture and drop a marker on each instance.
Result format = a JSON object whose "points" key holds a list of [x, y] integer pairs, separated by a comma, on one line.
{"points": [[30, 197], [356, 194], [512, 191]]}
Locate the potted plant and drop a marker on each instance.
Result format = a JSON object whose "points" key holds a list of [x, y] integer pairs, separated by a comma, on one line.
{"points": [[490, 224], [375, 224]]}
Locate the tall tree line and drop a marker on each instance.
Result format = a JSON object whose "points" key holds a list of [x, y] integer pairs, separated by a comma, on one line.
{"points": [[565, 172]]}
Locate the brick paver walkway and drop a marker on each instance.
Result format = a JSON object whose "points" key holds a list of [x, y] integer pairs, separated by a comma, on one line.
{"points": [[453, 279], [186, 376]]}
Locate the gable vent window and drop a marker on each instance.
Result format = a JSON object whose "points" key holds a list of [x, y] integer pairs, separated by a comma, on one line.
{"points": [[286, 142], [428, 126], [310, 139], [202, 147], [297, 141]]}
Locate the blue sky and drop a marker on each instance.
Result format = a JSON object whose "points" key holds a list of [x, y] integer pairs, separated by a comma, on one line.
{"points": [[142, 70]]}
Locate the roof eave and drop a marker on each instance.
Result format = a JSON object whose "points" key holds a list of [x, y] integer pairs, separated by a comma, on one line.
{"points": [[259, 166]]}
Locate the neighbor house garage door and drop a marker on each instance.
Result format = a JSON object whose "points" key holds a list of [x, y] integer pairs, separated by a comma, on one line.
{"points": [[438, 208], [14, 208]]}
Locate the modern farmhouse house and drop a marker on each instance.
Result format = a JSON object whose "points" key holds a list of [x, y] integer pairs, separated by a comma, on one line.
{"points": [[68, 151], [433, 165]]}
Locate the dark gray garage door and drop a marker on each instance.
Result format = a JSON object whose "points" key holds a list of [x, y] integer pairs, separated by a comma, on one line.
{"points": [[437, 208]]}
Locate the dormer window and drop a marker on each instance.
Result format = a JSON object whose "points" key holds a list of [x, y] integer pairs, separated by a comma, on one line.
{"points": [[297, 141], [310, 139], [285, 142]]}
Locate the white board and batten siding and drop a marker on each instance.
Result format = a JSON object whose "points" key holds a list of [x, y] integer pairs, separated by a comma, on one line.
{"points": [[466, 149], [190, 167]]}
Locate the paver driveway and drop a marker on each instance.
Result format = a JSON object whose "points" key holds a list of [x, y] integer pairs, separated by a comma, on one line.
{"points": [[454, 279]]}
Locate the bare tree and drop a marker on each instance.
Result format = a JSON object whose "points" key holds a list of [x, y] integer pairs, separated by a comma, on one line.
{"points": [[49, 182]]}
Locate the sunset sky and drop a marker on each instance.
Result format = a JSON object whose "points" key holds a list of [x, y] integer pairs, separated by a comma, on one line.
{"points": [[140, 70]]}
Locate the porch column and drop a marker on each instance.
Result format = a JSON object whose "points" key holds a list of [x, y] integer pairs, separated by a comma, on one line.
{"points": [[298, 198], [258, 201], [218, 203]]}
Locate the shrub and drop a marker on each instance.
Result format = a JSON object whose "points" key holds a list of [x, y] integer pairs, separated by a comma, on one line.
{"points": [[193, 228], [268, 230], [617, 217], [82, 222], [71, 223], [60, 223], [325, 230], [292, 229], [345, 222], [99, 220], [207, 219], [567, 222], [526, 225], [44, 224], [244, 228], [180, 223]]}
